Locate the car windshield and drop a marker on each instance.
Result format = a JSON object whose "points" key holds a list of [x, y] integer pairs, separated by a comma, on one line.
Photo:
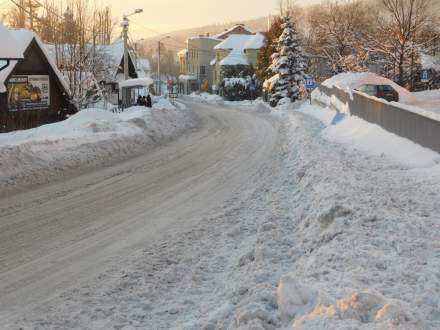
{"points": [[385, 88]]}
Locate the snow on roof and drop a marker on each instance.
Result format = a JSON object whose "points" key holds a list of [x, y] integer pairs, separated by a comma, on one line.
{"points": [[213, 62], [203, 37], [238, 43], [221, 35], [138, 82], [242, 42], [353, 80], [23, 38], [115, 53], [430, 62], [235, 57], [13, 50], [144, 68]]}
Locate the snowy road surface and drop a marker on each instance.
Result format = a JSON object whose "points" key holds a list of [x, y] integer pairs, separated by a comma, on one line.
{"points": [[253, 221], [54, 237]]}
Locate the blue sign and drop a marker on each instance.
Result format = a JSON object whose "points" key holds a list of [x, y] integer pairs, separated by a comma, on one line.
{"points": [[310, 83], [425, 76]]}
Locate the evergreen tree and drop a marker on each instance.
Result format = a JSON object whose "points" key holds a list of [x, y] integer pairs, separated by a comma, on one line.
{"points": [[289, 63], [264, 55]]}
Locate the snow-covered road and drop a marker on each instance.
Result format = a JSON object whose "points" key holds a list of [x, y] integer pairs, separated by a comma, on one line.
{"points": [[252, 221], [57, 236]]}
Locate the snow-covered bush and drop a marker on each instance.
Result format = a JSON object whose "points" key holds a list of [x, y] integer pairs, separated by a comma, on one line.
{"points": [[239, 83], [239, 89]]}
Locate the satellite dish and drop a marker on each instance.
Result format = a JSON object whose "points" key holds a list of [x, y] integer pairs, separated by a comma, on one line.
{"points": [[12, 50]]}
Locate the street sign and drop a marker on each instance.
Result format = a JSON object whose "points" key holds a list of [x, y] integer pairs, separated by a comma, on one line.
{"points": [[424, 76], [310, 83]]}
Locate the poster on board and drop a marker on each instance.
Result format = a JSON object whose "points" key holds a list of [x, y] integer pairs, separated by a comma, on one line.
{"points": [[28, 93]]}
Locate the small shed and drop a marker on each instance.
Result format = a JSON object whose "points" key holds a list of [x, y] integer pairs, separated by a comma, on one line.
{"points": [[33, 91], [131, 89]]}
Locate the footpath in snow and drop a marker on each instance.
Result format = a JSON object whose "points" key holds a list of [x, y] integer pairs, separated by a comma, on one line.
{"points": [[335, 234], [89, 139]]}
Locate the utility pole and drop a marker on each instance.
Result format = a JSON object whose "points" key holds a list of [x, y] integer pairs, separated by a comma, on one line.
{"points": [[158, 66], [124, 25], [125, 35], [31, 15], [159, 80]]}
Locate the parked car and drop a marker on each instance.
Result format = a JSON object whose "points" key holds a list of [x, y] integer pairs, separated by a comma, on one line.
{"points": [[385, 92]]}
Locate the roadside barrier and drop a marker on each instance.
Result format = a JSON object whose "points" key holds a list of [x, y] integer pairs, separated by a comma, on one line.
{"points": [[396, 119]]}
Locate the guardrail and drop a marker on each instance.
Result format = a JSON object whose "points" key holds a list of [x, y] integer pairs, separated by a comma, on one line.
{"points": [[398, 120]]}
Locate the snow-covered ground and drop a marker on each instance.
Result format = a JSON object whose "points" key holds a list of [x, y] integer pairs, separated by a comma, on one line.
{"points": [[90, 138], [429, 100], [339, 231]]}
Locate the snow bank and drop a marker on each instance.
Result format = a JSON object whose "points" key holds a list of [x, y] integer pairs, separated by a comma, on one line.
{"points": [[207, 98], [428, 95], [355, 133], [164, 104], [257, 105], [90, 138], [351, 80]]}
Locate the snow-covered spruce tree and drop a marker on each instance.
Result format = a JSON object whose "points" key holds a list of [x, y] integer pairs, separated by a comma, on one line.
{"points": [[289, 63]]}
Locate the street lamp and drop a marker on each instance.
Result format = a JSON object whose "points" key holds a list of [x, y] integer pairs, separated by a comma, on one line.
{"points": [[158, 65], [136, 52], [125, 25], [11, 52]]}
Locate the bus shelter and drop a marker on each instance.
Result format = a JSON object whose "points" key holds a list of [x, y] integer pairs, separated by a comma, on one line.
{"points": [[131, 89]]}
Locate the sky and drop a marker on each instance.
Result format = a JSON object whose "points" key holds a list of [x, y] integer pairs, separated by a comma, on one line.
{"points": [[162, 16]]}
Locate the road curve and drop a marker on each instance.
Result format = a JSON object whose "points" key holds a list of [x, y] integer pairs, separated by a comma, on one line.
{"points": [[56, 237]]}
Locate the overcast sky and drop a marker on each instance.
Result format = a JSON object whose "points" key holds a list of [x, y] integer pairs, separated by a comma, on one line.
{"points": [[168, 15]]}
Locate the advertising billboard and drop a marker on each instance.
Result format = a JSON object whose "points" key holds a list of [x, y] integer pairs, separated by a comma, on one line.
{"points": [[28, 93]]}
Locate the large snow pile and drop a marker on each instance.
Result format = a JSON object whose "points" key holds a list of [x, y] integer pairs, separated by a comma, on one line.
{"points": [[428, 95], [352, 80], [163, 104], [88, 139], [257, 105], [207, 98]]}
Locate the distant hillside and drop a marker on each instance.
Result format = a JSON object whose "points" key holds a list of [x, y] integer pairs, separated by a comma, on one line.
{"points": [[179, 37]]}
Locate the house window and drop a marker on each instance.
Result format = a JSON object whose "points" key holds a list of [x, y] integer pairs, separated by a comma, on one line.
{"points": [[202, 70]]}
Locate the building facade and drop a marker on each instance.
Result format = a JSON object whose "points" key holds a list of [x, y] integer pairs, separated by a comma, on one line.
{"points": [[197, 61], [200, 54]]}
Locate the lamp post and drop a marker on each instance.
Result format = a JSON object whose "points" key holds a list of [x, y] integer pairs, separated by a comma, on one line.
{"points": [[136, 52], [158, 66], [125, 25]]}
